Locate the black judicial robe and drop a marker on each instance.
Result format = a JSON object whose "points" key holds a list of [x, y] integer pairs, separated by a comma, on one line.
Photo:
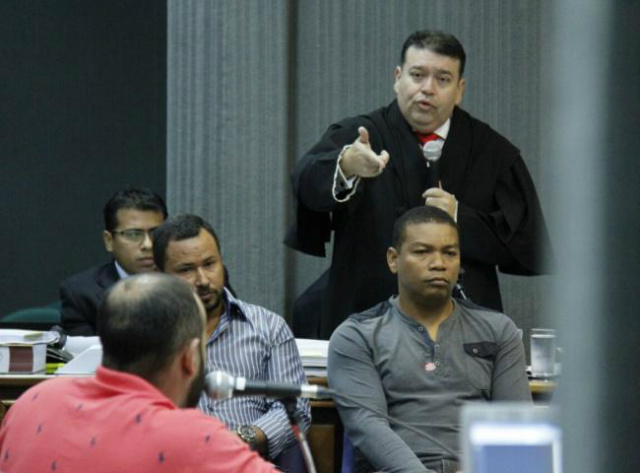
{"points": [[499, 214]]}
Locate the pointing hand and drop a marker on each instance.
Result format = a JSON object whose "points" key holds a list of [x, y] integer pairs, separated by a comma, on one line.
{"points": [[360, 160]]}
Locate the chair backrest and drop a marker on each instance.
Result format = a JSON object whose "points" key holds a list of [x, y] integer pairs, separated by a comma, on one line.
{"points": [[33, 318]]}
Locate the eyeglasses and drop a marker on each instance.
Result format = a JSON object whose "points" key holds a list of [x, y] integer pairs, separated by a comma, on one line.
{"points": [[134, 235]]}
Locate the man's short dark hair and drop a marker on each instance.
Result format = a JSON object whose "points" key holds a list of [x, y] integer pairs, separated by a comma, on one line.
{"points": [[439, 42], [133, 198], [145, 320], [178, 228], [418, 215]]}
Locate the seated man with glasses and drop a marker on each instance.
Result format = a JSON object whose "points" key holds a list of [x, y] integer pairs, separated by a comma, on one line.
{"points": [[130, 217]]}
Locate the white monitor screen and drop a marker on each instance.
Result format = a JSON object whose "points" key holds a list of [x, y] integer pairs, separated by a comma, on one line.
{"points": [[511, 438]]}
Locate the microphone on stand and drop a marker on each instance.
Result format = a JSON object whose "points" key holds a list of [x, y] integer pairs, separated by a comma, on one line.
{"points": [[221, 385], [432, 151]]}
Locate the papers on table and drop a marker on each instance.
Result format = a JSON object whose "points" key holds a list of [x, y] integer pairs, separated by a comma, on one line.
{"points": [[314, 356], [24, 351], [76, 345], [24, 338], [86, 362]]}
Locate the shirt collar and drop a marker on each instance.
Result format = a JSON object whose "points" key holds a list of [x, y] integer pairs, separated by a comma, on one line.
{"points": [[232, 308], [393, 300], [121, 272], [443, 131], [232, 305], [129, 383]]}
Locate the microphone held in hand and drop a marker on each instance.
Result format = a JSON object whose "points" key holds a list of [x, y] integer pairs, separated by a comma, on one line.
{"points": [[432, 151], [221, 385]]}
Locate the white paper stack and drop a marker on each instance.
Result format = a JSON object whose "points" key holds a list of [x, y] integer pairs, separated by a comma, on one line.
{"points": [[24, 351], [314, 356]]}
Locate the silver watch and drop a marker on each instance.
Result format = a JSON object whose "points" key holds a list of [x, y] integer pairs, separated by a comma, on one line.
{"points": [[249, 436]]}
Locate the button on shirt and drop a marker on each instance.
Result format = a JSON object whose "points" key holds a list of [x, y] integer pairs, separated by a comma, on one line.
{"points": [[115, 422], [256, 344]]}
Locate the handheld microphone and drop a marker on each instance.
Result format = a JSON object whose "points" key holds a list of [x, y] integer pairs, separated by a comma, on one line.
{"points": [[221, 385], [432, 151]]}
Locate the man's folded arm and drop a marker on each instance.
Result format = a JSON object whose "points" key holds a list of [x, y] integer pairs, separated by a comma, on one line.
{"points": [[284, 366], [352, 372], [509, 380]]}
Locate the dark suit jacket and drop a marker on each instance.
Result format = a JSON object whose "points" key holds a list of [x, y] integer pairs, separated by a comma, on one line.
{"points": [[499, 214], [80, 296]]}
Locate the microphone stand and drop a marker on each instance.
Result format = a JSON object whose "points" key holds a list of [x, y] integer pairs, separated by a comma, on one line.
{"points": [[290, 404]]}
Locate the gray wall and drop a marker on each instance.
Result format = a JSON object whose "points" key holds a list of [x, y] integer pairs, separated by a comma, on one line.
{"points": [[251, 88]]}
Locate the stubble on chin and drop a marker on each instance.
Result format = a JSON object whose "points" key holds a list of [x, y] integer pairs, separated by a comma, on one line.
{"points": [[436, 300], [215, 302]]}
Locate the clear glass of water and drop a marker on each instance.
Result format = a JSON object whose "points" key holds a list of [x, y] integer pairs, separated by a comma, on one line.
{"points": [[543, 352]]}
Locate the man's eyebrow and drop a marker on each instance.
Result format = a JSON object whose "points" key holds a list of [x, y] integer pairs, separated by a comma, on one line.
{"points": [[138, 229], [418, 244], [184, 265]]}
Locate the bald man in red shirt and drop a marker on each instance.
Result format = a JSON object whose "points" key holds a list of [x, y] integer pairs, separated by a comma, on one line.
{"points": [[135, 414]]}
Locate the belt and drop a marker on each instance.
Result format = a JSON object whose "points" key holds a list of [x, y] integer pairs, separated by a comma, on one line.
{"points": [[444, 465]]}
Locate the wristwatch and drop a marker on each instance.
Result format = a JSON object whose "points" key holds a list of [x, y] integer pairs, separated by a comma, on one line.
{"points": [[249, 436]]}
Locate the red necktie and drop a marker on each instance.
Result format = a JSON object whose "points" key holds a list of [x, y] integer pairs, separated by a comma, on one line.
{"points": [[422, 138]]}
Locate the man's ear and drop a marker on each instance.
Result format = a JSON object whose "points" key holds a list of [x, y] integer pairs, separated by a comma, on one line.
{"points": [[392, 259], [107, 237], [462, 83], [397, 72], [191, 358]]}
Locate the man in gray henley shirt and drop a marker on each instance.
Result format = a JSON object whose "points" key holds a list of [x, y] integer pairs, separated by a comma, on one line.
{"points": [[419, 356]]}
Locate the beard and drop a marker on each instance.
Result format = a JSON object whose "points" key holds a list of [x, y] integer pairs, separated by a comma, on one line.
{"points": [[196, 389], [215, 301]]}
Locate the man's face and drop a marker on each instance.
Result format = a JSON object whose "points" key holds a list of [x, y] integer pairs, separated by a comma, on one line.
{"points": [[427, 263], [427, 87], [197, 260], [130, 241]]}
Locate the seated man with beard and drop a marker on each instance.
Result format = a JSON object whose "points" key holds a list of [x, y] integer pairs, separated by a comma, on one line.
{"points": [[242, 339]]}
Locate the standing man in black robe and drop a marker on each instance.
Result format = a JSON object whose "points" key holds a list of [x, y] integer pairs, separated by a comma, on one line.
{"points": [[368, 170]]}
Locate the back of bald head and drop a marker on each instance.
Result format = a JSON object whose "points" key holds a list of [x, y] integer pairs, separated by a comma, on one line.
{"points": [[144, 322]]}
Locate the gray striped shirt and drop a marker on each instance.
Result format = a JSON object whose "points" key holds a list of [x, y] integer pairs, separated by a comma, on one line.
{"points": [[255, 343]]}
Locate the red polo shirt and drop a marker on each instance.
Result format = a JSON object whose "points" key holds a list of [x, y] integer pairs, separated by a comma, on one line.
{"points": [[115, 422]]}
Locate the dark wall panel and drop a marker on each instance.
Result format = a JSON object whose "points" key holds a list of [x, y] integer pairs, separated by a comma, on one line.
{"points": [[83, 114]]}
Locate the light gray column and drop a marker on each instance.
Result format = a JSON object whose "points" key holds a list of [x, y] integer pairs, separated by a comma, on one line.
{"points": [[227, 133], [594, 109]]}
